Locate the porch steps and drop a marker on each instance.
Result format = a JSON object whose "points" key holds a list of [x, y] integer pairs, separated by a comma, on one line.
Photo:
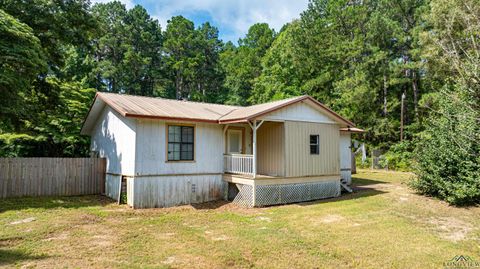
{"points": [[346, 187]]}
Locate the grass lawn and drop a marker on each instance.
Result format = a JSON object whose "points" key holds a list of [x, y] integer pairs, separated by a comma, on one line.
{"points": [[383, 224]]}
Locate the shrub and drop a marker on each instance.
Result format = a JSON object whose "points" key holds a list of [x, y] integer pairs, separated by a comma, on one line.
{"points": [[400, 156], [448, 152]]}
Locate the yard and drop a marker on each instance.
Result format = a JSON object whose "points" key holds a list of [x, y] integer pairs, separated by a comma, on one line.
{"points": [[383, 224]]}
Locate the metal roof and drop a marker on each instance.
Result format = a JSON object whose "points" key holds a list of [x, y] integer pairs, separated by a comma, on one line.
{"points": [[168, 109], [151, 107], [352, 130], [243, 114]]}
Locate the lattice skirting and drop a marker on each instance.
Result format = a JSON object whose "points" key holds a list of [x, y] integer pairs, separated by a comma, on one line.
{"points": [[286, 193], [244, 196]]}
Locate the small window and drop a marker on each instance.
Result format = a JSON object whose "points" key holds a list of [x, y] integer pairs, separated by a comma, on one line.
{"points": [[180, 143], [314, 144]]}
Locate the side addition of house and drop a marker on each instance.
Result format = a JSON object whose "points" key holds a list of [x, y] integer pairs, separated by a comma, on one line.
{"points": [[170, 152]]}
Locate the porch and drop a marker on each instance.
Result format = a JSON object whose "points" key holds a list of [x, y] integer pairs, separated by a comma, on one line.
{"points": [[254, 152], [256, 172]]}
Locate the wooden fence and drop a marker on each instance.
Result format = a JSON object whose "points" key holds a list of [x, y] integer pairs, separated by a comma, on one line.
{"points": [[51, 176]]}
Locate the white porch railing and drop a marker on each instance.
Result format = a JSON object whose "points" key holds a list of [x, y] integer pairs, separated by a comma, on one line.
{"points": [[238, 163]]}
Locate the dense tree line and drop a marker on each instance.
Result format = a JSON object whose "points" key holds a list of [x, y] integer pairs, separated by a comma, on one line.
{"points": [[358, 57]]}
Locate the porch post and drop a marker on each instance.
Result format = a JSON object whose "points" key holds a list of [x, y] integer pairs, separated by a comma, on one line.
{"points": [[254, 148]]}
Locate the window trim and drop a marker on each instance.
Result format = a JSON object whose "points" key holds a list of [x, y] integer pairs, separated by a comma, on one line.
{"points": [[194, 142], [316, 144]]}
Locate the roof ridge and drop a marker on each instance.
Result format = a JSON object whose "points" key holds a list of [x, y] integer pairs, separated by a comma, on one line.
{"points": [[168, 99], [269, 102]]}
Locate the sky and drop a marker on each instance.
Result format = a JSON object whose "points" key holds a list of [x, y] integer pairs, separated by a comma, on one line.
{"points": [[232, 18]]}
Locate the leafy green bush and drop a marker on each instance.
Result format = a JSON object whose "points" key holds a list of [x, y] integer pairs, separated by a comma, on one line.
{"points": [[400, 156], [358, 162], [448, 153]]}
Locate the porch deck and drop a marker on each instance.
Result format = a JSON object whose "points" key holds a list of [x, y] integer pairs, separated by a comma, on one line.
{"points": [[275, 180]]}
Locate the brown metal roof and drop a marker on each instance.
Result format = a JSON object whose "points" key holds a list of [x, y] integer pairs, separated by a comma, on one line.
{"points": [[159, 108], [352, 130], [244, 114], [150, 107]]}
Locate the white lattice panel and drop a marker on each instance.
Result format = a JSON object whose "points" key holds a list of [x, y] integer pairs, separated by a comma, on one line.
{"points": [[244, 196], [293, 193]]}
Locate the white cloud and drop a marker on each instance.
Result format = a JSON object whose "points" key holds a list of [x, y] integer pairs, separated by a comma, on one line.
{"points": [[237, 16], [234, 17]]}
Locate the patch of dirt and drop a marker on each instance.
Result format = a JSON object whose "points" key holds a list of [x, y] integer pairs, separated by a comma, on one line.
{"points": [[102, 240], [61, 236], [331, 219], [163, 236], [260, 218], [85, 219], [6, 242], [169, 260], [27, 220], [212, 236], [220, 238], [220, 206], [451, 228]]}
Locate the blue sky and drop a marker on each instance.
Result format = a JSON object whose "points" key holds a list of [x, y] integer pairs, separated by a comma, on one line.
{"points": [[232, 18]]}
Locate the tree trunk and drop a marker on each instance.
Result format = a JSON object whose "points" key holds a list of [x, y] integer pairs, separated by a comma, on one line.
{"points": [[415, 93], [385, 89], [178, 86]]}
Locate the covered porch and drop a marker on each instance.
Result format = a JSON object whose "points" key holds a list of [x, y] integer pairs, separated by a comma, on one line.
{"points": [[255, 150], [255, 167]]}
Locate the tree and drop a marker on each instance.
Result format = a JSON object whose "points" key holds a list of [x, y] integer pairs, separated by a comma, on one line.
{"points": [[242, 65], [128, 49], [21, 61], [210, 76], [448, 153], [55, 23], [54, 27], [192, 60]]}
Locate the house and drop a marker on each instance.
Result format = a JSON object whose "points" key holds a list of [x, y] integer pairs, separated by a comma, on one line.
{"points": [[163, 152]]}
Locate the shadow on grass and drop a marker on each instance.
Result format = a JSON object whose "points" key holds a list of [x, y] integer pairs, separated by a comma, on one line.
{"points": [[210, 205], [345, 196], [356, 181], [21, 203], [10, 257]]}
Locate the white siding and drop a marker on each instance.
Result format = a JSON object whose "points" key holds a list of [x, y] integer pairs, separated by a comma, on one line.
{"points": [[177, 190], [112, 186], [345, 157], [114, 138], [299, 162], [151, 145], [271, 149], [299, 112]]}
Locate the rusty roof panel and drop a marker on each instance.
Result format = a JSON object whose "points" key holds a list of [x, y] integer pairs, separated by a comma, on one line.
{"points": [[150, 107], [168, 109]]}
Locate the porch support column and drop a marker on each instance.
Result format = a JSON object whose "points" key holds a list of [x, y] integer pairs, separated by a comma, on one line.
{"points": [[255, 127]]}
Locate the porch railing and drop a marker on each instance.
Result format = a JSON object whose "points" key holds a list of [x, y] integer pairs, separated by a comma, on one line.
{"points": [[238, 163]]}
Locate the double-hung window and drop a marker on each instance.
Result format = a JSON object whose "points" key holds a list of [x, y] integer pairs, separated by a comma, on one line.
{"points": [[314, 144], [181, 143]]}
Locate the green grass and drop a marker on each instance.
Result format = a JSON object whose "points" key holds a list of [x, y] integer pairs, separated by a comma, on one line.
{"points": [[383, 224]]}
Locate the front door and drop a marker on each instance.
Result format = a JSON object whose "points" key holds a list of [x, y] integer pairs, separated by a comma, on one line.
{"points": [[234, 142]]}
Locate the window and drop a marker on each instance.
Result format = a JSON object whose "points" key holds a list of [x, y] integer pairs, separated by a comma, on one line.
{"points": [[180, 143], [314, 144]]}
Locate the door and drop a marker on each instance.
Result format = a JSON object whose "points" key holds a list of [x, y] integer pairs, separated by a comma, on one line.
{"points": [[234, 141]]}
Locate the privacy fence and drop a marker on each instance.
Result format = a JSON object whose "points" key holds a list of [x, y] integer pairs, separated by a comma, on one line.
{"points": [[51, 176]]}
